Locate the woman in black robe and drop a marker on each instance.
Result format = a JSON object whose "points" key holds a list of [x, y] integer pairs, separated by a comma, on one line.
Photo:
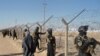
{"points": [[51, 45]]}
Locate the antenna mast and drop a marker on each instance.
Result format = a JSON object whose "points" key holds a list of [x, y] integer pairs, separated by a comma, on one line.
{"points": [[15, 22], [44, 4]]}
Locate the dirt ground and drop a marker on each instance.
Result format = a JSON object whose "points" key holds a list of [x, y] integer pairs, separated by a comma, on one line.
{"points": [[10, 47]]}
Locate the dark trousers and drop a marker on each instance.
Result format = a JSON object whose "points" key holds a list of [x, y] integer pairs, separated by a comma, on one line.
{"points": [[81, 53], [37, 45], [27, 53]]}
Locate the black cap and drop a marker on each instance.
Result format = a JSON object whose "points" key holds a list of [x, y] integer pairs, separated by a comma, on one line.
{"points": [[83, 28]]}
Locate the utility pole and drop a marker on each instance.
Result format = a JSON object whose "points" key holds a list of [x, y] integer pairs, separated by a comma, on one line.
{"points": [[44, 11], [67, 28], [15, 22]]}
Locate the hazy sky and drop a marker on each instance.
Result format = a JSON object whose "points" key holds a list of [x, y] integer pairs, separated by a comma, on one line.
{"points": [[24, 11]]}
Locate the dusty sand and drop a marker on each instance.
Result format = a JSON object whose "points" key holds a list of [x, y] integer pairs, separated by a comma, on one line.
{"points": [[10, 47]]}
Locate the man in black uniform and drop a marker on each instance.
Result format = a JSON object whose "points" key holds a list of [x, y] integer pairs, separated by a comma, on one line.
{"points": [[81, 41], [51, 43], [28, 44], [84, 44], [37, 37], [14, 34]]}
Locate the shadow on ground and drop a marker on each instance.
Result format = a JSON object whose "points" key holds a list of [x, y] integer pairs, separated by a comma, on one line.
{"points": [[12, 54], [72, 53], [62, 54]]}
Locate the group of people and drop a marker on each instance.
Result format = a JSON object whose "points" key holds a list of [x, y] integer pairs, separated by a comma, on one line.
{"points": [[84, 44], [10, 32], [30, 43]]}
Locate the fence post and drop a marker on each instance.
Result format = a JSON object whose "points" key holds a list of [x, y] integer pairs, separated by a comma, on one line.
{"points": [[66, 36]]}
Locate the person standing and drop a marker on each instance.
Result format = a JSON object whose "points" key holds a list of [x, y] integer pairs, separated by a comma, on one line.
{"points": [[28, 44], [51, 43], [82, 42], [37, 37]]}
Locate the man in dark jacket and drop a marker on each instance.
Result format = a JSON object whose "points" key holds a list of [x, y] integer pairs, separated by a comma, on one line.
{"points": [[28, 44], [14, 34], [37, 37]]}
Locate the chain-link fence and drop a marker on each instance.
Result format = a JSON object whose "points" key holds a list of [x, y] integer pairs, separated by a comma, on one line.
{"points": [[59, 31]]}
